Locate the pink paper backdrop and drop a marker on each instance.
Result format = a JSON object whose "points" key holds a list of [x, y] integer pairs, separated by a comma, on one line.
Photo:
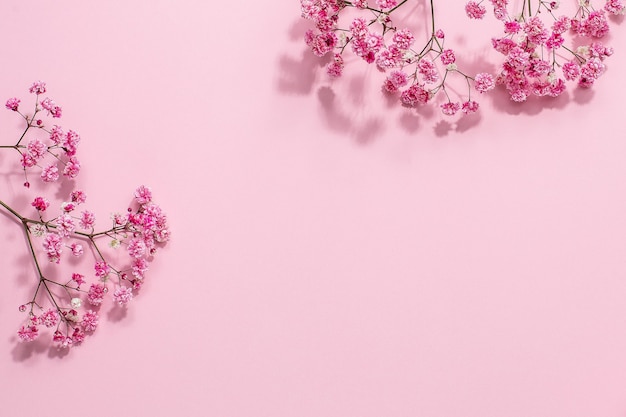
{"points": [[332, 255]]}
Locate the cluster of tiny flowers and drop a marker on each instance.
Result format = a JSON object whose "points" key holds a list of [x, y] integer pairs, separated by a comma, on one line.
{"points": [[415, 74], [69, 305], [53, 152], [538, 45], [140, 230]]}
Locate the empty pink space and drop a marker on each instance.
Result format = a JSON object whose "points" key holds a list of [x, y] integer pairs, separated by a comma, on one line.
{"points": [[333, 253]]}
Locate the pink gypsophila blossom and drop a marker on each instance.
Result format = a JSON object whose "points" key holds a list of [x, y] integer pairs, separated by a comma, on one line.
{"points": [[37, 149], [72, 168], [96, 293], [40, 203], [87, 220], [469, 107], [90, 321], [28, 333], [122, 295], [78, 197], [53, 246], [403, 39], [49, 318], [13, 104], [50, 173], [483, 82], [143, 194], [571, 70], [335, 68], [78, 279], [450, 108], [65, 225], [447, 57], [386, 4], [102, 269], [615, 7], [136, 248], [77, 249], [394, 81], [595, 25], [414, 95], [475, 10], [38, 87]]}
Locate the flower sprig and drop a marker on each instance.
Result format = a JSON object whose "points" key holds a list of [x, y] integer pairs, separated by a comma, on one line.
{"points": [[544, 50], [538, 44], [415, 73], [68, 304]]}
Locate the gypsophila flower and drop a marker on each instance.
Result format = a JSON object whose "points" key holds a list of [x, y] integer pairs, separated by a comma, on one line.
{"points": [[38, 87], [40, 203], [49, 318], [96, 293], [78, 197], [90, 321], [102, 269], [65, 225], [123, 295], [87, 220], [53, 246], [13, 104], [484, 82], [450, 109], [50, 173], [78, 278], [475, 10], [77, 249], [28, 333]]}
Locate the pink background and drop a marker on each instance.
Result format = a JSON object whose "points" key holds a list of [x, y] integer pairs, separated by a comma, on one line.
{"points": [[332, 255]]}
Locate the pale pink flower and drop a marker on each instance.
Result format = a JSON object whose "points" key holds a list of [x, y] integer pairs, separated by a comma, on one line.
{"points": [[403, 38], [475, 10], [102, 269], [136, 248], [469, 107], [87, 220], [78, 197], [450, 108], [143, 194], [78, 336], [37, 149], [387, 4], [90, 321], [447, 57], [38, 87], [50, 173], [72, 168], [78, 278], [13, 103], [56, 134], [49, 318], [96, 293], [122, 295], [28, 333], [65, 225], [53, 246], [77, 249], [483, 82]]}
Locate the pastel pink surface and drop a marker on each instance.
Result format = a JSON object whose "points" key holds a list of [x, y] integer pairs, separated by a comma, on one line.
{"points": [[332, 255]]}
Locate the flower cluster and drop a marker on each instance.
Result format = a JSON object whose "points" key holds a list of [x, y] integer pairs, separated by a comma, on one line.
{"points": [[537, 43], [68, 303], [415, 74], [543, 49]]}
